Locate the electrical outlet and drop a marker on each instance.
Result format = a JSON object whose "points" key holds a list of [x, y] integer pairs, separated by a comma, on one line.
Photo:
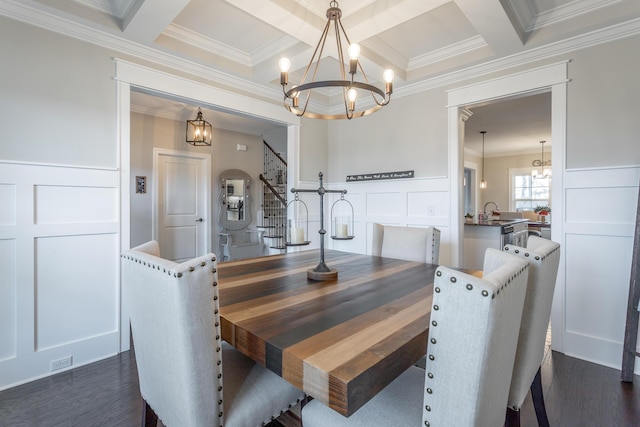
{"points": [[65, 362], [431, 210]]}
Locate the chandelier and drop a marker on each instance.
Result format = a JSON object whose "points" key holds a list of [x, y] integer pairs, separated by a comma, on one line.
{"points": [[301, 93], [546, 172], [198, 131]]}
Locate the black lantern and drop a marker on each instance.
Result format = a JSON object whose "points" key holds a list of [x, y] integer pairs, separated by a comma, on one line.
{"points": [[199, 131]]}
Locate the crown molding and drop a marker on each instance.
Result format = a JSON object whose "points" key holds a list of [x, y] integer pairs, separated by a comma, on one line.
{"points": [[567, 11], [24, 13], [447, 52], [47, 21], [199, 41], [583, 41]]}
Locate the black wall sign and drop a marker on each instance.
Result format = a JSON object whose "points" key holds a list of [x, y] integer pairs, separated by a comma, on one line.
{"points": [[380, 175]]}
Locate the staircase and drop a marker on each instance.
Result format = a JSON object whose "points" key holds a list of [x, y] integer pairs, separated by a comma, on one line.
{"points": [[274, 198]]}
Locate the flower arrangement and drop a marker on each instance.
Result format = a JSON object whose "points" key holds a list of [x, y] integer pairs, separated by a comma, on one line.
{"points": [[542, 210]]}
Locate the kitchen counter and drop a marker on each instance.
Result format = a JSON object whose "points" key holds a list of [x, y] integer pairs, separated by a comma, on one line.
{"points": [[497, 222], [492, 233]]}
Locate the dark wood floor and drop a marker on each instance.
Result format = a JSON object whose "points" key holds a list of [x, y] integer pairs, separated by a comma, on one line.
{"points": [[106, 394]]}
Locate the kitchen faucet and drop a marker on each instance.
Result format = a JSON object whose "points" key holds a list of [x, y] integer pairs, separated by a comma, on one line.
{"points": [[484, 209]]}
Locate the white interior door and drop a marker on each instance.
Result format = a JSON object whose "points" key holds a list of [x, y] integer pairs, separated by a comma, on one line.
{"points": [[182, 203]]}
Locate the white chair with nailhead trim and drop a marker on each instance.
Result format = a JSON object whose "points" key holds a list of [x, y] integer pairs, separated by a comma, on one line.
{"points": [[472, 345], [543, 256], [421, 244], [179, 353]]}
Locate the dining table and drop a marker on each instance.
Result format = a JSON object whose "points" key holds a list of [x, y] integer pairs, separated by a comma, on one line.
{"points": [[340, 341]]}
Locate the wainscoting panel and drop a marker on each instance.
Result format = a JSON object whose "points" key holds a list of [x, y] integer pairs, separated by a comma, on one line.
{"points": [[419, 202], [385, 204], [59, 288], [8, 287], [71, 285], [68, 204], [599, 225]]}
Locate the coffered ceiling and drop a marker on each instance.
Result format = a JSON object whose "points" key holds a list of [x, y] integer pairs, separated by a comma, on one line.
{"points": [[426, 42]]}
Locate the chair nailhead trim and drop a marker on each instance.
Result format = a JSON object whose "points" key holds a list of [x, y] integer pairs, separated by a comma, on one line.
{"points": [[438, 290], [485, 293], [469, 286], [428, 408], [434, 323], [430, 375], [427, 423], [432, 357], [429, 391], [438, 273], [436, 307], [453, 279], [433, 341]]}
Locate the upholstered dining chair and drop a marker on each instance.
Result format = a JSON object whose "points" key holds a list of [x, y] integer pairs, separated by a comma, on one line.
{"points": [[543, 256], [471, 347], [182, 361], [421, 244]]}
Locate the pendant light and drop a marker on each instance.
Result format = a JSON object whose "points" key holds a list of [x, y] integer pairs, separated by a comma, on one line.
{"points": [[546, 172], [199, 131], [483, 183]]}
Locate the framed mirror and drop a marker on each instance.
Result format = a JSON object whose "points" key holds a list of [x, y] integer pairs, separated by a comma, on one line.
{"points": [[235, 200]]}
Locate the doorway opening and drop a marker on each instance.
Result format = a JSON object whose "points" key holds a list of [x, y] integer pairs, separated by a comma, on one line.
{"points": [[553, 79]]}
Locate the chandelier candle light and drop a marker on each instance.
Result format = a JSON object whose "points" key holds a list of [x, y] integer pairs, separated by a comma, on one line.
{"points": [[349, 86]]}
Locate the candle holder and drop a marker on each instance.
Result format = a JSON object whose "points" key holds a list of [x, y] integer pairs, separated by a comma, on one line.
{"points": [[342, 225], [298, 227], [322, 271]]}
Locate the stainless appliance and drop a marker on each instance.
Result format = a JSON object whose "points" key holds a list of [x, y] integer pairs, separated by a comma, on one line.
{"points": [[514, 234]]}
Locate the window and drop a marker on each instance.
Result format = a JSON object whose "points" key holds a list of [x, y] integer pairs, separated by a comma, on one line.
{"points": [[527, 193]]}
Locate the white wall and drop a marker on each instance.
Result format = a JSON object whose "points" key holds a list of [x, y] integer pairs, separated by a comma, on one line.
{"points": [[58, 99]]}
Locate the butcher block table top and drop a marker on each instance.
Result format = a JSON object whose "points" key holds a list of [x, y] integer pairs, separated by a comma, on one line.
{"points": [[340, 341]]}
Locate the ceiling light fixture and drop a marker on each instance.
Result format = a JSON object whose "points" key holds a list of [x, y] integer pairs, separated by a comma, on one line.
{"points": [[546, 172], [483, 183], [198, 131], [350, 87]]}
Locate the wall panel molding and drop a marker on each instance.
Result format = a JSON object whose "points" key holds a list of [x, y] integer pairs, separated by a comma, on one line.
{"points": [[61, 236], [599, 226], [417, 202]]}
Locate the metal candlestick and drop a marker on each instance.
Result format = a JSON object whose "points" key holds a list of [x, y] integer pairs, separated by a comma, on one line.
{"points": [[322, 271]]}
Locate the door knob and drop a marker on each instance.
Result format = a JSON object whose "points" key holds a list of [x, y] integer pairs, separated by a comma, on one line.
{"points": [[199, 220]]}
